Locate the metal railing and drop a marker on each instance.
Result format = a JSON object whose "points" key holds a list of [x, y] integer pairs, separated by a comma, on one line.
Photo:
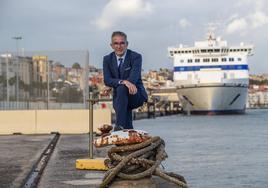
{"points": [[56, 79]]}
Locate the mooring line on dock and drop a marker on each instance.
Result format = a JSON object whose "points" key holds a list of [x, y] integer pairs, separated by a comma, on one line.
{"points": [[34, 176], [137, 161]]}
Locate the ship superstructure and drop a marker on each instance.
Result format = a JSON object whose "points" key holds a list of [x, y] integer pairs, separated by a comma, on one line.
{"points": [[211, 77]]}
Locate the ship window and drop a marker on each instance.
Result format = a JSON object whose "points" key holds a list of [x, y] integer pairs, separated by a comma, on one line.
{"points": [[175, 52], [223, 59], [239, 59], [234, 50], [182, 51], [210, 50], [181, 60], [245, 50], [231, 59], [190, 60], [206, 60], [231, 50], [203, 51], [216, 50], [215, 60], [197, 60]]}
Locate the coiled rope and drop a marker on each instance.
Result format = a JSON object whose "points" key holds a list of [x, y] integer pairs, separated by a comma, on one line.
{"points": [[136, 161]]}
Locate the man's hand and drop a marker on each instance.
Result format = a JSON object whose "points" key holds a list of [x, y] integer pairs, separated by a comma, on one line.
{"points": [[106, 90], [132, 89]]}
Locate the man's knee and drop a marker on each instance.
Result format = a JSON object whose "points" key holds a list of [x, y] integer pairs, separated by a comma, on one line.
{"points": [[122, 89]]}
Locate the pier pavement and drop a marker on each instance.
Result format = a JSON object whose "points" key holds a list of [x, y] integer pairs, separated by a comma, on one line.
{"points": [[20, 152]]}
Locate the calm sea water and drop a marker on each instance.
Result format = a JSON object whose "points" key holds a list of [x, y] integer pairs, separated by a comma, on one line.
{"points": [[215, 151]]}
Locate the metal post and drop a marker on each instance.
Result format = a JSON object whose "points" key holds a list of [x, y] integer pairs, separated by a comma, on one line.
{"points": [[48, 66], [85, 79], [91, 103], [7, 79], [18, 69]]}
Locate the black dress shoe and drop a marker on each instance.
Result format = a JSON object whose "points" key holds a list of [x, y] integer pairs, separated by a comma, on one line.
{"points": [[118, 128]]}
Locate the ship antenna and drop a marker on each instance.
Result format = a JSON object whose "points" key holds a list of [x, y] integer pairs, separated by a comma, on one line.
{"points": [[211, 27]]}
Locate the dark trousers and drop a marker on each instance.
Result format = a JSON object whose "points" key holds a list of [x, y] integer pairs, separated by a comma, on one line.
{"points": [[124, 103]]}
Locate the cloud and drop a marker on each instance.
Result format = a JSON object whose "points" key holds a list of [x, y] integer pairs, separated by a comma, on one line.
{"points": [[184, 23], [241, 3], [254, 20], [236, 25], [116, 10], [258, 19]]}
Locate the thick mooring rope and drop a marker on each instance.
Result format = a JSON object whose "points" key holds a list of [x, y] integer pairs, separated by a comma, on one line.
{"points": [[137, 161]]}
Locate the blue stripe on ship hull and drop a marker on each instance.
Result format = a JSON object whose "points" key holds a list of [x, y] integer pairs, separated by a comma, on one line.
{"points": [[222, 67], [217, 112]]}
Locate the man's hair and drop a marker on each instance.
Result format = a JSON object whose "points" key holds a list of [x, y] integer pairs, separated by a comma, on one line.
{"points": [[119, 33]]}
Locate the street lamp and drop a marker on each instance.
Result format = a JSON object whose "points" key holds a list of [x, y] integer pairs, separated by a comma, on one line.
{"points": [[18, 68]]}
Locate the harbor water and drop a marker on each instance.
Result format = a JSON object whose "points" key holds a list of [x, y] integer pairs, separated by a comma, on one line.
{"points": [[215, 151]]}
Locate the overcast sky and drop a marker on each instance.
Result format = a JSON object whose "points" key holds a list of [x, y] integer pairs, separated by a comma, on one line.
{"points": [[151, 25]]}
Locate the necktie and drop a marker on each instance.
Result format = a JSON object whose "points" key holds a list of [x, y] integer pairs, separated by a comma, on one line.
{"points": [[119, 66]]}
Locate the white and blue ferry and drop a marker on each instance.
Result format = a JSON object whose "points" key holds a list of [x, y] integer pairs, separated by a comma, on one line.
{"points": [[211, 77]]}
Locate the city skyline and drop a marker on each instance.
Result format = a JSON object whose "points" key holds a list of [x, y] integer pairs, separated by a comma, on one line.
{"points": [[151, 26]]}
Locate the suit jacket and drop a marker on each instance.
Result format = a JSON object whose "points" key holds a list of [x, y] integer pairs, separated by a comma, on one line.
{"points": [[130, 70]]}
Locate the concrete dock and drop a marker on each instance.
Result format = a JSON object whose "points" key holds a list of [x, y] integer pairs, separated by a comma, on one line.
{"points": [[20, 152]]}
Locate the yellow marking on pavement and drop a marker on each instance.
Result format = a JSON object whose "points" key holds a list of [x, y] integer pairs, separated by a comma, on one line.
{"points": [[91, 164]]}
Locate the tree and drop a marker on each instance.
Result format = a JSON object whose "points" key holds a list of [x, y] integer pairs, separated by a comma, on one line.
{"points": [[76, 66], [12, 80], [2, 79], [69, 94]]}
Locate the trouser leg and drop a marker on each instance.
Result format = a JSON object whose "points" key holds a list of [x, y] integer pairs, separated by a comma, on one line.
{"points": [[129, 124], [124, 103], [120, 105]]}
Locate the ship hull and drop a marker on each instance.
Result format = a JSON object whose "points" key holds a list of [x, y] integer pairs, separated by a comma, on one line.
{"points": [[213, 99]]}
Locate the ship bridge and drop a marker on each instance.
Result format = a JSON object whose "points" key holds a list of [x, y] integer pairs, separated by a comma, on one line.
{"points": [[210, 47]]}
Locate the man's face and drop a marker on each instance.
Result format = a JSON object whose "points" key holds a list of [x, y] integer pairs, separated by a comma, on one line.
{"points": [[119, 44]]}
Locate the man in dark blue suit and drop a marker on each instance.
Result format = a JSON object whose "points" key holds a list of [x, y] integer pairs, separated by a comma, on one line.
{"points": [[122, 72]]}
